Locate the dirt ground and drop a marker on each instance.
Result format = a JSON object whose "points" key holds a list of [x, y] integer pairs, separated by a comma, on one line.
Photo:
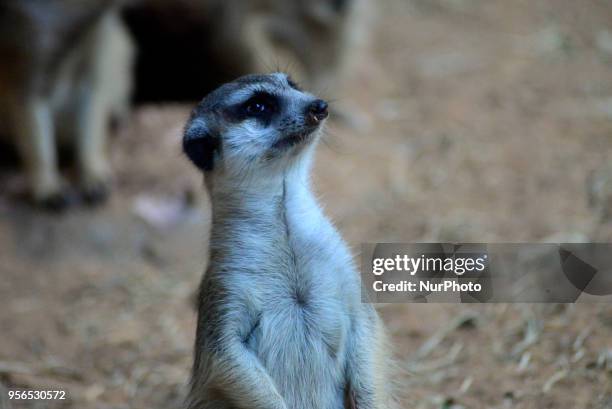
{"points": [[474, 120]]}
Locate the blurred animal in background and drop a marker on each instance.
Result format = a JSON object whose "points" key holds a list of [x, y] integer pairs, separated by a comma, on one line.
{"points": [[65, 71], [189, 47]]}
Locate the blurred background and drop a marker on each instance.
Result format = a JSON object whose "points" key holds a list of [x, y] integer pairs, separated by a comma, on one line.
{"points": [[454, 120]]}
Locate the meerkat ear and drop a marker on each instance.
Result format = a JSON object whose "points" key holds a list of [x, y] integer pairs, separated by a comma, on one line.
{"points": [[200, 145]]}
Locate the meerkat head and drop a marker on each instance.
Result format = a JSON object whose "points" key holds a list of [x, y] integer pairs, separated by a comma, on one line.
{"points": [[255, 122]]}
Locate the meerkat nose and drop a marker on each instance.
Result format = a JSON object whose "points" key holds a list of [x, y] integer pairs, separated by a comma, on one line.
{"points": [[317, 111]]}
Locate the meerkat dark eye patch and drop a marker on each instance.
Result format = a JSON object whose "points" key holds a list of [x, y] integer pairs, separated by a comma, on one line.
{"points": [[200, 146], [262, 106]]}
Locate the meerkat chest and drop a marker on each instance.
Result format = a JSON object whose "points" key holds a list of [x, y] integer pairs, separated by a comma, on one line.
{"points": [[301, 336], [304, 320], [317, 292]]}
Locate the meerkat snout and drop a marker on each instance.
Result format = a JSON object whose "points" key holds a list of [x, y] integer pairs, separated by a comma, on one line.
{"points": [[317, 111]]}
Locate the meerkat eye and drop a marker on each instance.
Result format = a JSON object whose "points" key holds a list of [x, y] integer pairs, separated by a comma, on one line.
{"points": [[257, 107], [261, 104]]}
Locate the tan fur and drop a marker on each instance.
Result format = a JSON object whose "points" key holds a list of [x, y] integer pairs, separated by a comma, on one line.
{"points": [[310, 33], [221, 39], [64, 69]]}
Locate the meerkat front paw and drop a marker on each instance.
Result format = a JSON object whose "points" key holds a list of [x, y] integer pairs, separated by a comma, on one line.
{"points": [[95, 179], [95, 182], [95, 190], [54, 197], [57, 202], [96, 193]]}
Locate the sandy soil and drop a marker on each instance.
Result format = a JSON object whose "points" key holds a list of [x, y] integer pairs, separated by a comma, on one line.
{"points": [[475, 121]]}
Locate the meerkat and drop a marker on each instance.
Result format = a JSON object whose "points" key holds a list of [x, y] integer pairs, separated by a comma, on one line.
{"points": [[281, 323], [64, 71]]}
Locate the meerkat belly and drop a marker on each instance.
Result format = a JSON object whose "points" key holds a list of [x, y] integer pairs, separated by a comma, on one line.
{"points": [[302, 344]]}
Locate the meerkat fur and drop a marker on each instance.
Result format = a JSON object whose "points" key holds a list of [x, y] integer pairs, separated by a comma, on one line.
{"points": [[281, 323]]}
